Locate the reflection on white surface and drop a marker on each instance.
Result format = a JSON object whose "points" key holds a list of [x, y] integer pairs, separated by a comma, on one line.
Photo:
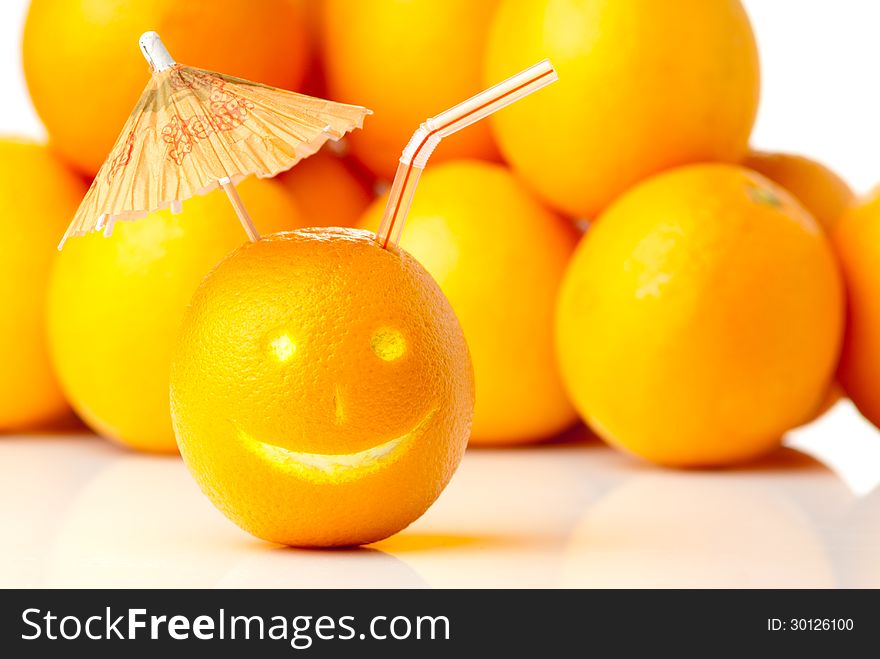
{"points": [[856, 543], [503, 520], [37, 477], [284, 567], [141, 522], [694, 530], [77, 511]]}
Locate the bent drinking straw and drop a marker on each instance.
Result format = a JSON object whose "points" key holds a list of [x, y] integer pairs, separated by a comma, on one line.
{"points": [[427, 137]]}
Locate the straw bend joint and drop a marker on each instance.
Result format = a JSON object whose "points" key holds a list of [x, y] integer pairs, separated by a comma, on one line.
{"points": [[421, 145]]}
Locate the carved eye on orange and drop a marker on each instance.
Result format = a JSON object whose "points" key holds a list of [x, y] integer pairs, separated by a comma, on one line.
{"points": [[282, 347], [388, 344]]}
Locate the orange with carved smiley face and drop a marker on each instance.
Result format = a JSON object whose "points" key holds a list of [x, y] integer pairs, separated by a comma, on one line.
{"points": [[321, 390]]}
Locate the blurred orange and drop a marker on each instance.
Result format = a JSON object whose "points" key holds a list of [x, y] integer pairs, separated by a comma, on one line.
{"points": [[700, 318], [38, 198], [644, 85], [115, 306], [856, 238], [321, 388], [327, 193], [820, 190], [499, 257], [315, 81], [406, 61], [85, 71]]}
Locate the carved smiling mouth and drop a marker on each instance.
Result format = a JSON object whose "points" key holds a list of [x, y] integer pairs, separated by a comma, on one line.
{"points": [[335, 467]]}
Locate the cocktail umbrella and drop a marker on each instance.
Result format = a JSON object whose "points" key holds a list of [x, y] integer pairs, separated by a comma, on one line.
{"points": [[193, 131]]}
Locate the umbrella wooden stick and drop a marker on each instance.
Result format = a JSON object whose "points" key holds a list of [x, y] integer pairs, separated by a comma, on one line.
{"points": [[243, 216]]}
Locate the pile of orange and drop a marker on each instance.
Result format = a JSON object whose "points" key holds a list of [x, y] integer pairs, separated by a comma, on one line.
{"points": [[719, 297]]}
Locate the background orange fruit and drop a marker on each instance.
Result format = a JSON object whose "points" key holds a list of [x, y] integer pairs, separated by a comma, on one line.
{"points": [[820, 190], [314, 83], [700, 318], [321, 388], [85, 71], [326, 191], [38, 198], [499, 257], [640, 89], [115, 306], [406, 61], [856, 239]]}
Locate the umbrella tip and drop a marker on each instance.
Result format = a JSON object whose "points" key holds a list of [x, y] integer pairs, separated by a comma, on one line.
{"points": [[155, 52]]}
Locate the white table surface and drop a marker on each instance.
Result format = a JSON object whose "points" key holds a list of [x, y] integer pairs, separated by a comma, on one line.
{"points": [[77, 510]]}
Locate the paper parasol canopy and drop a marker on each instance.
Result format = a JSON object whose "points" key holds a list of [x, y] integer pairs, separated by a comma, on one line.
{"points": [[193, 131]]}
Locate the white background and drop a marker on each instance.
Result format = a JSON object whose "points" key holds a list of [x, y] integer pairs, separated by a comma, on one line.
{"points": [[820, 98]]}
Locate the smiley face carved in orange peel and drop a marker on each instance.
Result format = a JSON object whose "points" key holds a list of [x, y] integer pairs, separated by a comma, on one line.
{"points": [[321, 389]]}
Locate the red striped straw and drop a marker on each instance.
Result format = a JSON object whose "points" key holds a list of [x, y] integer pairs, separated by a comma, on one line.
{"points": [[427, 137]]}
